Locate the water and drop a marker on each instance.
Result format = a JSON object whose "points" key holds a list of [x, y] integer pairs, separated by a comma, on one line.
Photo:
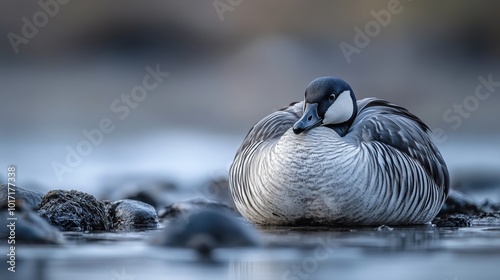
{"points": [[187, 157], [422, 252], [181, 156]]}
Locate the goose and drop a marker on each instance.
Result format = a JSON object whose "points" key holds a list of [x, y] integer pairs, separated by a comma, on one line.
{"points": [[334, 160]]}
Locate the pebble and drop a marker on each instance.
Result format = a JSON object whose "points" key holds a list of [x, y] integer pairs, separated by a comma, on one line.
{"points": [[127, 214], [459, 220], [187, 206]]}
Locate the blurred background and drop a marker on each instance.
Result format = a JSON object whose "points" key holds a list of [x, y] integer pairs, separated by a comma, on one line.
{"points": [[64, 64]]}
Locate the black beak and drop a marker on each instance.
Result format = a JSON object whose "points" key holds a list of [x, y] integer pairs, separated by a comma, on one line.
{"points": [[308, 120]]}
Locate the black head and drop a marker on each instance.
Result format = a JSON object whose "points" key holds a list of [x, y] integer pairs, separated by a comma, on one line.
{"points": [[328, 101]]}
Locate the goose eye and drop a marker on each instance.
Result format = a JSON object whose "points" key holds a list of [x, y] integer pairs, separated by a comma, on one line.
{"points": [[331, 97]]}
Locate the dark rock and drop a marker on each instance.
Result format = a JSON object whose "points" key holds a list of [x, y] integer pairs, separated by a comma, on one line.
{"points": [[186, 207], [491, 207], [459, 220], [459, 203], [74, 211], [29, 227], [132, 215], [148, 197], [141, 188], [217, 189], [206, 230], [29, 198], [460, 211]]}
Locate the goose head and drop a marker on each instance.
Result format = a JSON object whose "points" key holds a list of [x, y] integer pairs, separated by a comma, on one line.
{"points": [[330, 102]]}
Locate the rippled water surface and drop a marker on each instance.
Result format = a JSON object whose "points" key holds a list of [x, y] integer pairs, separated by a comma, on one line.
{"points": [[423, 252]]}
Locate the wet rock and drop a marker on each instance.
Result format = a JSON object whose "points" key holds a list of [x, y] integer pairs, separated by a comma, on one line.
{"points": [[141, 188], [206, 230], [155, 193], [459, 220], [460, 211], [74, 211], [491, 207], [186, 207], [129, 214], [29, 227], [29, 198], [217, 189], [459, 203], [147, 196]]}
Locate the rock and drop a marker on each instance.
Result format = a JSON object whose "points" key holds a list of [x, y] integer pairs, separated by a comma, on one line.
{"points": [[141, 188], [147, 196], [206, 230], [491, 207], [460, 211], [74, 211], [459, 203], [459, 220], [129, 214], [217, 189], [188, 206], [28, 198], [29, 227]]}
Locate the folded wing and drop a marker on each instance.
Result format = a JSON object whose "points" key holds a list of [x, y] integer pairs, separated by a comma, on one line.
{"points": [[387, 123], [273, 126]]}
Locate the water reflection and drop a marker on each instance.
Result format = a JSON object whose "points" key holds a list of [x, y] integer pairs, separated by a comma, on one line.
{"points": [[305, 253]]}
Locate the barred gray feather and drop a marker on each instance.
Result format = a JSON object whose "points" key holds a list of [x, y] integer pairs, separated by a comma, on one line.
{"points": [[384, 170]]}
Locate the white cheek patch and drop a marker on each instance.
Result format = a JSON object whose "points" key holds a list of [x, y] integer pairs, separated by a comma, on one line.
{"points": [[341, 110]]}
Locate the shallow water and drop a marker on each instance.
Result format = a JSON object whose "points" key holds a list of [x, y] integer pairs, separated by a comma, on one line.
{"points": [[423, 252], [185, 157]]}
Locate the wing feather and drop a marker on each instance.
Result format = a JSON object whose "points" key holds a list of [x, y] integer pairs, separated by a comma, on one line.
{"points": [[273, 126], [377, 120], [387, 123]]}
